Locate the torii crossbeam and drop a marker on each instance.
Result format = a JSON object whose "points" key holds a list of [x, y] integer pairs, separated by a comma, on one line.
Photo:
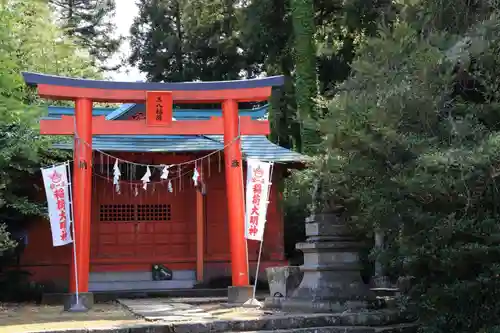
{"points": [[159, 98]]}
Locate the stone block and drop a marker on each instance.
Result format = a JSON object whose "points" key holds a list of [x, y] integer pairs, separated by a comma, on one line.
{"points": [[86, 299], [273, 303], [239, 294], [283, 280]]}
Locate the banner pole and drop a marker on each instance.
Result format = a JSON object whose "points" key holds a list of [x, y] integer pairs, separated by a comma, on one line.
{"points": [[77, 307], [248, 259], [70, 185], [258, 267]]}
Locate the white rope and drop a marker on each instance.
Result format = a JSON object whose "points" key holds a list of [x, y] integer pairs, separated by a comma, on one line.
{"points": [[157, 165], [138, 181]]}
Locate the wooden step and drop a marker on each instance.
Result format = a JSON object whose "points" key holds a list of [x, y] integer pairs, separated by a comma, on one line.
{"points": [[140, 285], [138, 276]]}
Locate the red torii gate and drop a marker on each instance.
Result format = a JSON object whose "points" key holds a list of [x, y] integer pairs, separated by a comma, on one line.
{"points": [[85, 92]]}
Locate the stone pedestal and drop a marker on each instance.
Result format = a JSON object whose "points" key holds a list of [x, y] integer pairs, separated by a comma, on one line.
{"points": [[283, 280], [332, 280], [239, 294], [86, 301]]}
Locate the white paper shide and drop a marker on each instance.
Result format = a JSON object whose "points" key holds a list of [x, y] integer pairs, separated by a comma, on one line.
{"points": [[257, 198], [55, 180]]}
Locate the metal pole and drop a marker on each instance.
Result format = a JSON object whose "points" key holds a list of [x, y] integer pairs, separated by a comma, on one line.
{"points": [[248, 258], [77, 307], [70, 185], [257, 269]]}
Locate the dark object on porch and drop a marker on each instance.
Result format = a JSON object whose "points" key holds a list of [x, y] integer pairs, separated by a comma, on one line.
{"points": [[161, 273]]}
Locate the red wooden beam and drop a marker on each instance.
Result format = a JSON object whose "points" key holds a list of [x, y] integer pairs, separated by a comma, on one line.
{"points": [[139, 96], [200, 235], [101, 126]]}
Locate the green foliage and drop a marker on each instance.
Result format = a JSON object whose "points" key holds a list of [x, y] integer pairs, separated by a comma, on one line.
{"points": [[6, 242], [267, 41], [156, 41], [305, 57], [297, 198], [89, 22], [179, 40], [413, 146], [211, 33], [30, 42]]}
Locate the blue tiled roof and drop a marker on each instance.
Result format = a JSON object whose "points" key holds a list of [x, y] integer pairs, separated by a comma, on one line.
{"points": [[127, 110], [123, 109], [258, 147]]}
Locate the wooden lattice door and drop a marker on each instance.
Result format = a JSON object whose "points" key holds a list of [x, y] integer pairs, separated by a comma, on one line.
{"points": [[142, 225]]}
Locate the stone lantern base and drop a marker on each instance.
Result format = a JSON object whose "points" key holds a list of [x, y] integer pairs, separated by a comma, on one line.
{"points": [[332, 273]]}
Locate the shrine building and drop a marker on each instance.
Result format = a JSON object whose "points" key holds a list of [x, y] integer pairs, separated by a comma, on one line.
{"points": [[170, 222]]}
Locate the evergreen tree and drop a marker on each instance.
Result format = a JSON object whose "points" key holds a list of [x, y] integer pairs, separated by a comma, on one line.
{"points": [[179, 40], [156, 41], [89, 22], [269, 45], [31, 42], [212, 39], [305, 62], [412, 148], [266, 37]]}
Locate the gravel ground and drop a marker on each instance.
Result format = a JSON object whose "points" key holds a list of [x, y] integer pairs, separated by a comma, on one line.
{"points": [[17, 318]]}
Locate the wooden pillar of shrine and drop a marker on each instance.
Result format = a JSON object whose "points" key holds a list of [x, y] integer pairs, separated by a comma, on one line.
{"points": [[234, 192], [82, 192]]}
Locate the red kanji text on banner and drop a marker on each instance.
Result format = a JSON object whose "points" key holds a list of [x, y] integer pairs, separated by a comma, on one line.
{"points": [[55, 180], [257, 197]]}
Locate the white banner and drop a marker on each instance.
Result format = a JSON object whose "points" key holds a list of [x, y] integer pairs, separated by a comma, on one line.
{"points": [[55, 180], [257, 197]]}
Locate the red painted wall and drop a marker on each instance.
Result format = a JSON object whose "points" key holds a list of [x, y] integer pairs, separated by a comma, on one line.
{"points": [[127, 246]]}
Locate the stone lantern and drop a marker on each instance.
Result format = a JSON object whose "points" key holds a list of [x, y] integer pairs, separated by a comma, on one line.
{"points": [[331, 272]]}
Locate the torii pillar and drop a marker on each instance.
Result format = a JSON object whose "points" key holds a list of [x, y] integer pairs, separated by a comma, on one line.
{"points": [[159, 98], [82, 198], [240, 292]]}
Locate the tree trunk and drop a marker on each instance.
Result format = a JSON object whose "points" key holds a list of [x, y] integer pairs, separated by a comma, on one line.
{"points": [[178, 26]]}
